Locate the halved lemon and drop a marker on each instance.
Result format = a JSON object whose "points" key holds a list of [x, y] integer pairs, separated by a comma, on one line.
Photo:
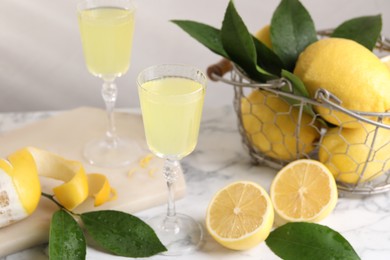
{"points": [[303, 190], [240, 216]]}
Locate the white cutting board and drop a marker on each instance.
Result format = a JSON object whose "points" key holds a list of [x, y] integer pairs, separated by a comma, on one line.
{"points": [[65, 134]]}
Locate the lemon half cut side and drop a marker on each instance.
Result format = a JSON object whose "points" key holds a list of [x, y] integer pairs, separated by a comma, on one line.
{"points": [[240, 216], [304, 190]]}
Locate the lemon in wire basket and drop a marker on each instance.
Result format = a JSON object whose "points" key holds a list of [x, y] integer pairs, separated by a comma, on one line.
{"points": [[296, 89], [351, 72], [354, 151], [271, 125], [356, 155]]}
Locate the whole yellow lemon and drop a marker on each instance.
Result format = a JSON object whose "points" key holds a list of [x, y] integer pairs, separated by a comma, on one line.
{"points": [[349, 71], [271, 125], [264, 36], [345, 152]]}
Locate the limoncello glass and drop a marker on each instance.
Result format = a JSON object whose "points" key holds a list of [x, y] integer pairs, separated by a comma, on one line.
{"points": [[172, 109], [106, 29], [107, 34], [171, 98]]}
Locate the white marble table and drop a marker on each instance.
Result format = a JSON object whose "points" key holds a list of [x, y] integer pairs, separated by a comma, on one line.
{"points": [[220, 159]]}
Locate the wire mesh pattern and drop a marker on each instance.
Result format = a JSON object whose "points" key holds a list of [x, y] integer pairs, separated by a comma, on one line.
{"points": [[276, 128]]}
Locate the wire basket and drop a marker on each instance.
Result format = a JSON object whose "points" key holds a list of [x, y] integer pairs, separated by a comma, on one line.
{"points": [[276, 132]]}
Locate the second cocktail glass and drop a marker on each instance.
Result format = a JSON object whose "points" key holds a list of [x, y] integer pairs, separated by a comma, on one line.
{"points": [[171, 98], [106, 28]]}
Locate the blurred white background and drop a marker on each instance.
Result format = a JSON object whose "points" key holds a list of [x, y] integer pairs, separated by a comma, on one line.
{"points": [[41, 62]]}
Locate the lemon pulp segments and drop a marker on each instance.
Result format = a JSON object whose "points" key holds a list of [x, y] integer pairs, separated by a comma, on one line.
{"points": [[304, 190], [240, 216]]}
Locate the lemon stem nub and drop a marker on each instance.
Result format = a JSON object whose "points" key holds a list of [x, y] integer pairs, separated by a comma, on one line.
{"points": [[52, 198]]}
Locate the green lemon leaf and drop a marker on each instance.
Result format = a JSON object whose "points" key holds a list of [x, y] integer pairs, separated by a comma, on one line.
{"points": [[66, 239], [122, 234], [298, 89], [364, 30], [292, 30], [309, 241], [238, 44], [267, 59], [205, 34]]}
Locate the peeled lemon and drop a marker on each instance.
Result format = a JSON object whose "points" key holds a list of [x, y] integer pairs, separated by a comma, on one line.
{"points": [[303, 190], [240, 216], [20, 188], [350, 72]]}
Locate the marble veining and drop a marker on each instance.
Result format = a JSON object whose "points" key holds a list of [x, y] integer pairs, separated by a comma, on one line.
{"points": [[220, 159]]}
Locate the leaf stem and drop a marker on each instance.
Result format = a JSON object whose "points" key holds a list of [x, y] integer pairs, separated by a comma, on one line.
{"points": [[52, 198]]}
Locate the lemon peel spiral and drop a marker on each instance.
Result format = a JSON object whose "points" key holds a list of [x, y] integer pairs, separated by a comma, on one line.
{"points": [[20, 187]]}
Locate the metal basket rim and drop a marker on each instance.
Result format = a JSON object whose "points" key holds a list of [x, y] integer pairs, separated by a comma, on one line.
{"points": [[275, 85]]}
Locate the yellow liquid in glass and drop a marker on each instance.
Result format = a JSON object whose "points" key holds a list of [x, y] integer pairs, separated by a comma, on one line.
{"points": [[171, 112], [106, 35]]}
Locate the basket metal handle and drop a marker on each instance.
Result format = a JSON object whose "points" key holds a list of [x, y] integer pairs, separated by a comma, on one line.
{"points": [[324, 96]]}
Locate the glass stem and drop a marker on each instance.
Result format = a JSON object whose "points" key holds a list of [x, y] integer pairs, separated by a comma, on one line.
{"points": [[170, 171], [109, 94]]}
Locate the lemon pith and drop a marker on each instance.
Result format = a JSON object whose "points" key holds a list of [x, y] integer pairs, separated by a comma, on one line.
{"points": [[11, 208]]}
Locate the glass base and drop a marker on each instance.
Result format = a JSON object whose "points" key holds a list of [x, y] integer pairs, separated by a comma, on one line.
{"points": [[179, 234], [118, 153]]}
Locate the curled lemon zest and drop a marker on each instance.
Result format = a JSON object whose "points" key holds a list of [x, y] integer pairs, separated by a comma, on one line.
{"points": [[143, 166], [144, 162], [74, 190], [152, 172], [131, 172], [26, 165], [100, 189]]}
